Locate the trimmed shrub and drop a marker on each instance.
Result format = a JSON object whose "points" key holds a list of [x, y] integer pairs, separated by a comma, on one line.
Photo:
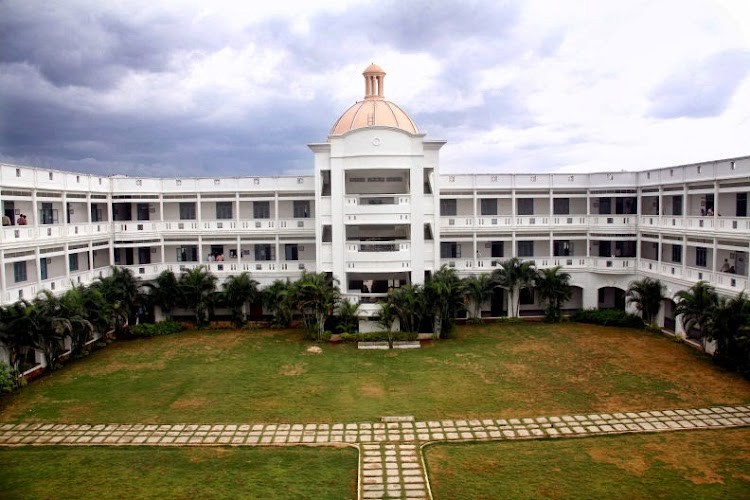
{"points": [[6, 379], [155, 329], [378, 336], [608, 317]]}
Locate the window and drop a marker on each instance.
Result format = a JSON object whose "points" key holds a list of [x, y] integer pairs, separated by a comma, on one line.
{"points": [[291, 251], [261, 210], [526, 297], [187, 211], [677, 254], [301, 209], [525, 248], [187, 254], [450, 250], [327, 236], [701, 256], [525, 206], [48, 214], [73, 261], [19, 271], [223, 209], [263, 252], [448, 207], [605, 205], [497, 249], [561, 206], [741, 205], [489, 206]]}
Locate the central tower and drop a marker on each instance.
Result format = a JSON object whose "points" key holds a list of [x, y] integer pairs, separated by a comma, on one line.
{"points": [[376, 189]]}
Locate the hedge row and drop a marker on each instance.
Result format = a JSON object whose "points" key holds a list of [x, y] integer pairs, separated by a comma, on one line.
{"points": [[378, 336], [608, 317], [155, 329]]}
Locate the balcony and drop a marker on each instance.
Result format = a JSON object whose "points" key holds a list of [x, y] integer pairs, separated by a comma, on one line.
{"points": [[222, 270], [535, 222], [617, 265], [29, 289], [218, 226], [722, 281], [731, 225], [12, 234]]}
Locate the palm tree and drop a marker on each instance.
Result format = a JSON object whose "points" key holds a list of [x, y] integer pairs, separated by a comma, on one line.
{"points": [[48, 327], [407, 303], [238, 290], [347, 314], [197, 287], [276, 299], [646, 294], [696, 306], [512, 276], [387, 316], [478, 289], [165, 292], [444, 297], [730, 328], [98, 311], [15, 334], [315, 296], [121, 290], [553, 286], [73, 307]]}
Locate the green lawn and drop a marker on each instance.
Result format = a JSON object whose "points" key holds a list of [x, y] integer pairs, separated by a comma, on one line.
{"points": [[503, 370], [695, 464], [141, 472]]}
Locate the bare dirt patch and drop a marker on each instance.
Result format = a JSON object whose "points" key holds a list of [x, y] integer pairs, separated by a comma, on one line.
{"points": [[190, 403], [294, 370], [657, 357], [372, 390], [632, 463], [121, 365], [516, 369]]}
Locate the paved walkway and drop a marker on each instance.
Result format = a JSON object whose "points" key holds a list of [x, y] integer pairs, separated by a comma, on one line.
{"points": [[391, 463]]}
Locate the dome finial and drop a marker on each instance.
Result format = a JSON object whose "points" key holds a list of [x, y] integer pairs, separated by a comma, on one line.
{"points": [[374, 78]]}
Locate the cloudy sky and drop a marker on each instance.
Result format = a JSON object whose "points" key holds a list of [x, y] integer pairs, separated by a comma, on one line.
{"points": [[238, 88]]}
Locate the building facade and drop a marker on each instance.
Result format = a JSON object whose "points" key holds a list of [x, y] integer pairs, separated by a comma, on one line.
{"points": [[377, 213]]}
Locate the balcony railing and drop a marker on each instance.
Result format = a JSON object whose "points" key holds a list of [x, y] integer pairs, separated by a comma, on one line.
{"points": [[29, 289], [224, 269], [596, 264]]}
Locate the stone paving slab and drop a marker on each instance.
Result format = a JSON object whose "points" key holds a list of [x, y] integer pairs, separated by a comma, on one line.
{"points": [[391, 463]]}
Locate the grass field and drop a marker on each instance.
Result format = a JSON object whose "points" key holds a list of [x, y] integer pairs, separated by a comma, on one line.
{"points": [[500, 370], [142, 472], [699, 464]]}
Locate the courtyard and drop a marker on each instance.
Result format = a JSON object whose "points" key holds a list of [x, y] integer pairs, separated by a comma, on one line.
{"points": [[223, 381]]}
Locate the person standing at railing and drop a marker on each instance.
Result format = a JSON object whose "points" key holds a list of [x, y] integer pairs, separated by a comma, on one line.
{"points": [[725, 267], [6, 220]]}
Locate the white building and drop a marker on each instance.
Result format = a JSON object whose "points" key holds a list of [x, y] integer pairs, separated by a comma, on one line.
{"points": [[377, 213]]}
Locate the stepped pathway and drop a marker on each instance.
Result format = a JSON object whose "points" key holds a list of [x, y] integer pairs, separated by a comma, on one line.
{"points": [[390, 463]]}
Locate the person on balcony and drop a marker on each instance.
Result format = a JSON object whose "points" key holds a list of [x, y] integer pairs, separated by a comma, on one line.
{"points": [[6, 220], [710, 212], [22, 220], [725, 267]]}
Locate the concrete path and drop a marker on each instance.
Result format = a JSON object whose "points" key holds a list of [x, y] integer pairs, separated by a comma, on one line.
{"points": [[391, 463]]}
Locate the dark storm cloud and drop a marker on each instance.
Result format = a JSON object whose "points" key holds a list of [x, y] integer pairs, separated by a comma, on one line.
{"points": [[701, 90], [253, 145], [91, 46], [53, 47]]}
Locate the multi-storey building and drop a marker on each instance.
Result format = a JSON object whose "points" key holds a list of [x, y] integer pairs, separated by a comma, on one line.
{"points": [[377, 213]]}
